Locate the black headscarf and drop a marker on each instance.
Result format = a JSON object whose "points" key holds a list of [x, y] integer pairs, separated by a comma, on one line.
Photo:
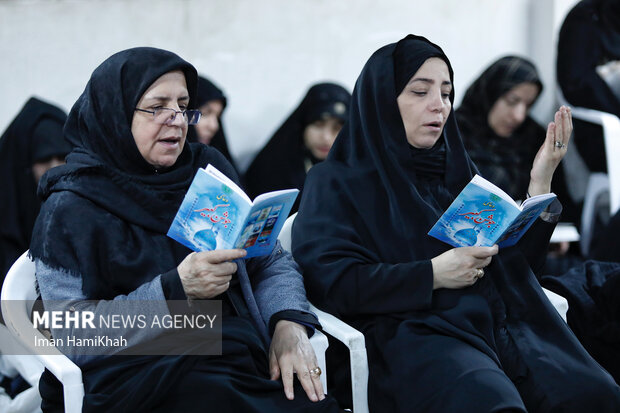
{"points": [[107, 211], [373, 171], [208, 91], [281, 164], [35, 135], [504, 161]]}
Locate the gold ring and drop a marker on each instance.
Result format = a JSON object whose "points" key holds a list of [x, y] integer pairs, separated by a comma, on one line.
{"points": [[479, 273], [316, 371]]}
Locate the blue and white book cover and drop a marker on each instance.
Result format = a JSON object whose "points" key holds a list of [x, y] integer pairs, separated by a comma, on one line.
{"points": [[483, 215], [211, 215], [217, 214]]}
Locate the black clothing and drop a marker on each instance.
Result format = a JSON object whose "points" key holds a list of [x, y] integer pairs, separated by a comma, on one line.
{"points": [[589, 37], [105, 219], [504, 161], [592, 291], [236, 381], [361, 238], [282, 163], [208, 91], [605, 244], [35, 135]]}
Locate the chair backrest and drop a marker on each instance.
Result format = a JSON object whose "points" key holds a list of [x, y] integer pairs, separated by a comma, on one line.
{"points": [[285, 236], [18, 296], [611, 135]]}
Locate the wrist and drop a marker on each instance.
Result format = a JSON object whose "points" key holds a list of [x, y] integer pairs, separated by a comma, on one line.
{"points": [[282, 324], [538, 188]]}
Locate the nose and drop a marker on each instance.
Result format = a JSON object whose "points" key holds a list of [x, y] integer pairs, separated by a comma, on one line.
{"points": [[178, 120], [213, 123], [519, 113], [436, 103]]}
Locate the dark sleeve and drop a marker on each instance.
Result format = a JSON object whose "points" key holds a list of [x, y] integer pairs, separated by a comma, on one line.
{"points": [[580, 50], [172, 286], [535, 243], [343, 275], [301, 317]]}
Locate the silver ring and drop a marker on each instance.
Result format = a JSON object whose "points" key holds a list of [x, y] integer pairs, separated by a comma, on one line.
{"points": [[315, 371], [479, 273], [559, 144]]}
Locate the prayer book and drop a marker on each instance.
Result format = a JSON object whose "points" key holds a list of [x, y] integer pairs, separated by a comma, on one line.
{"points": [[483, 215], [217, 214]]}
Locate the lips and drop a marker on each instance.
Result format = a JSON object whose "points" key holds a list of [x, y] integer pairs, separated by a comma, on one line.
{"points": [[434, 125], [170, 141]]}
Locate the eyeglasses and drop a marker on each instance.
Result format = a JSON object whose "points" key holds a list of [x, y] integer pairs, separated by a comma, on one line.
{"points": [[165, 116]]}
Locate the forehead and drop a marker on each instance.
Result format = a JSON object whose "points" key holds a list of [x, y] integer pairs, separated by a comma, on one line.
{"points": [[525, 90], [433, 68], [168, 84]]}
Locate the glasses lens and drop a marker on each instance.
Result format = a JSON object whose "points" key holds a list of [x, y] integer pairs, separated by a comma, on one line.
{"points": [[164, 115], [192, 117]]}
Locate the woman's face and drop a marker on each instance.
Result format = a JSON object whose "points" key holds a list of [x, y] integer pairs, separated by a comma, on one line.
{"points": [[209, 121], [39, 168], [319, 136], [424, 103], [510, 110], [161, 144]]}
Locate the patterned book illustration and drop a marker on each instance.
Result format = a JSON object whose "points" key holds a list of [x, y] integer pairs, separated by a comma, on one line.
{"points": [[484, 215], [217, 214]]}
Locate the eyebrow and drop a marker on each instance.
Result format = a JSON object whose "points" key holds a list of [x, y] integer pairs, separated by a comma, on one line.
{"points": [[164, 98], [431, 81]]}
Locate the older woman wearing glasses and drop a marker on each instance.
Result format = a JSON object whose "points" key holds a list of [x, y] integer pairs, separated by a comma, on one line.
{"points": [[100, 242]]}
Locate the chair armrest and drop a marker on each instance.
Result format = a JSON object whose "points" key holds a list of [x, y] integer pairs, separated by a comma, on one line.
{"points": [[355, 342], [319, 344]]}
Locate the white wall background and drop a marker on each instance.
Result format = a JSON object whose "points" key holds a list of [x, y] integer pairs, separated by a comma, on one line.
{"points": [[266, 53]]}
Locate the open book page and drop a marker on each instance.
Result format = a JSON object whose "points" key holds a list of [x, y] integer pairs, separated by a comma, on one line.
{"points": [[477, 217], [212, 213], [531, 209], [210, 169], [266, 218]]}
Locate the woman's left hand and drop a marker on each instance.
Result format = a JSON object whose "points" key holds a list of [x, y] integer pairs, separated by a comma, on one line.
{"points": [[551, 152], [291, 352]]}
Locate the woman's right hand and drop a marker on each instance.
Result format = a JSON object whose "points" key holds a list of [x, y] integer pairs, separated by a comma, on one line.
{"points": [[207, 274], [458, 267]]}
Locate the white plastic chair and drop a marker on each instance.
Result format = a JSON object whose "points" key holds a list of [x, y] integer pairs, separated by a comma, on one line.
{"points": [[611, 135], [18, 297], [341, 331]]}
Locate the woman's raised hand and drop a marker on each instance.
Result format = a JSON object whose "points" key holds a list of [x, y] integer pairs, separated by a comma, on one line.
{"points": [[461, 267], [207, 274], [551, 152]]}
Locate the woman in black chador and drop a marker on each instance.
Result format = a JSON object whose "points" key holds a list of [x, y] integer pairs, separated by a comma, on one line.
{"points": [[211, 102], [302, 141], [100, 242], [447, 329], [590, 39], [499, 135], [32, 144]]}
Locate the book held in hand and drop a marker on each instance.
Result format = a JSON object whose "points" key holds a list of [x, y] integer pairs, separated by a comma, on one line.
{"points": [[217, 214], [483, 215]]}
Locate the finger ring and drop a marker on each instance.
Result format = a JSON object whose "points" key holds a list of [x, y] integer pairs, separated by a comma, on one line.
{"points": [[316, 371], [559, 144], [479, 273]]}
